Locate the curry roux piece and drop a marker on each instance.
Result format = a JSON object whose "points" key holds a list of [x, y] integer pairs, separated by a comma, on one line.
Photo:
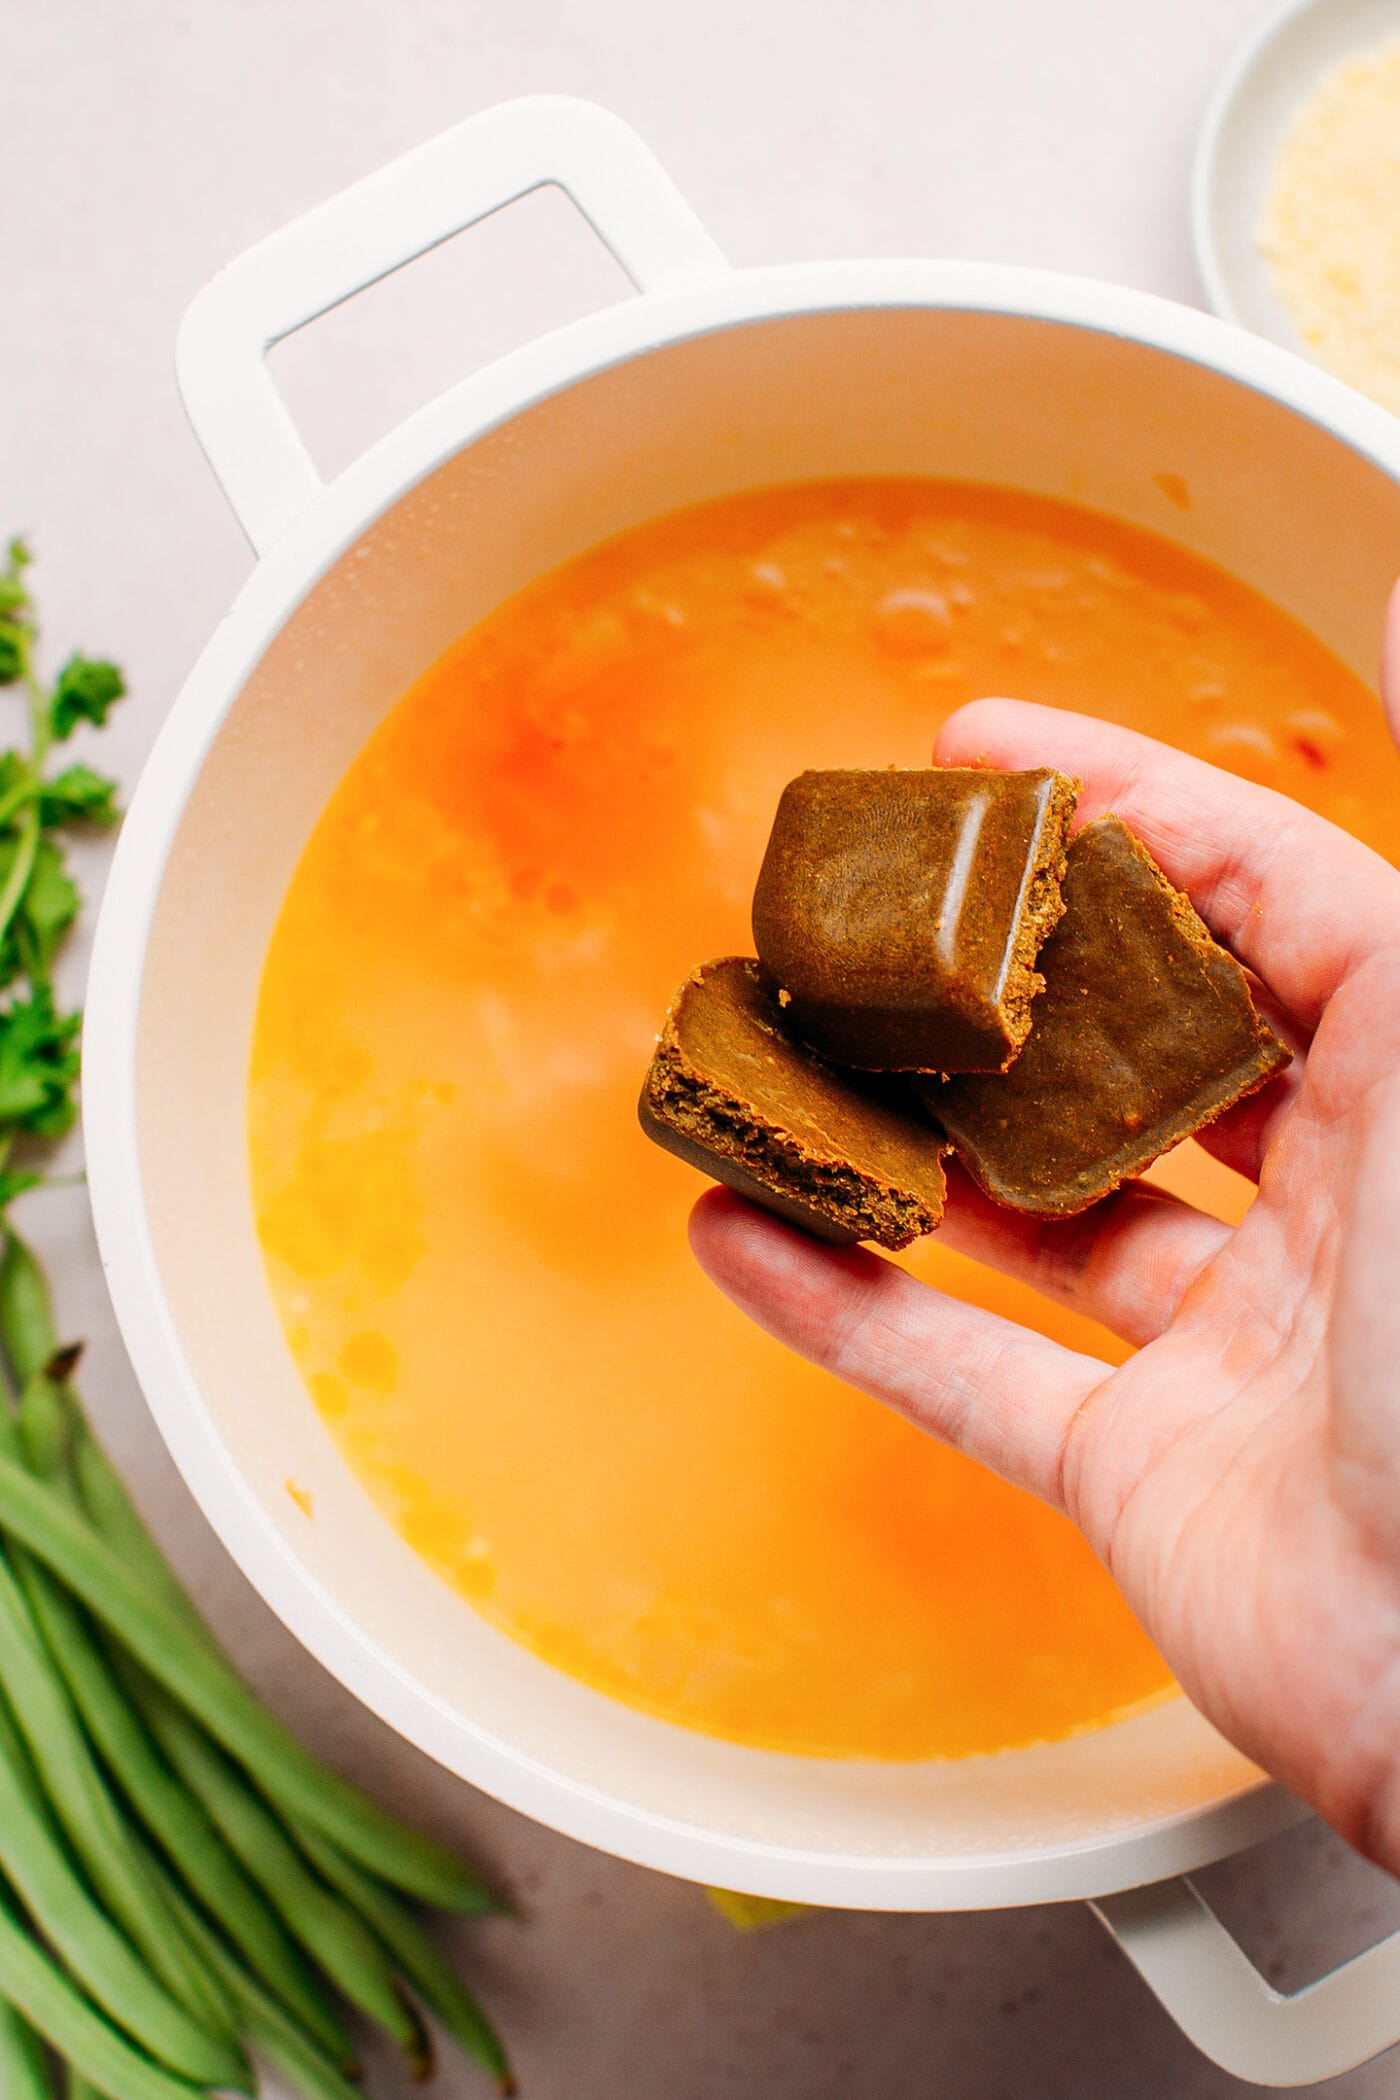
{"points": [[901, 912], [730, 1092], [1144, 1033]]}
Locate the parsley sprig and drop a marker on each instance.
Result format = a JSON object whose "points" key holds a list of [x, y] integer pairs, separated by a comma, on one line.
{"points": [[38, 898]]}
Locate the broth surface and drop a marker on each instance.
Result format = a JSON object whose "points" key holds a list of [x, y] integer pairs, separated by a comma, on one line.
{"points": [[479, 1261]]}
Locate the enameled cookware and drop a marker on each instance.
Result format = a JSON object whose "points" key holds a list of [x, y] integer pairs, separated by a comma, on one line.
{"points": [[710, 380]]}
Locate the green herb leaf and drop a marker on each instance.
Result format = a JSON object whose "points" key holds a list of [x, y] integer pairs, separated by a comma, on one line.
{"points": [[83, 692], [38, 1066], [77, 795], [14, 592], [44, 914], [14, 603], [15, 1180], [38, 1044], [12, 953], [47, 909]]}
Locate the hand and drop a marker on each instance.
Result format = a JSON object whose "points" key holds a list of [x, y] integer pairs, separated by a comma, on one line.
{"points": [[1240, 1475]]}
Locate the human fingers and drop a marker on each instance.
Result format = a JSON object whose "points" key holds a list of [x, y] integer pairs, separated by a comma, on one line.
{"points": [[1002, 1394], [1295, 898], [1240, 1138], [1126, 1262], [1364, 1333]]}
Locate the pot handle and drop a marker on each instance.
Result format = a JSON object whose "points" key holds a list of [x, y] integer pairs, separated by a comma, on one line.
{"points": [[1233, 2015], [375, 227]]}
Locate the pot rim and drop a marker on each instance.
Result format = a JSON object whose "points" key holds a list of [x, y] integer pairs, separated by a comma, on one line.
{"points": [[290, 569]]}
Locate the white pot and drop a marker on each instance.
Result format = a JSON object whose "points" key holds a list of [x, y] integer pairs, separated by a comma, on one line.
{"points": [[712, 380]]}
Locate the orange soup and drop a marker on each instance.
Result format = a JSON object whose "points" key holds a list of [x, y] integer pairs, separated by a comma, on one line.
{"points": [[481, 1264]]}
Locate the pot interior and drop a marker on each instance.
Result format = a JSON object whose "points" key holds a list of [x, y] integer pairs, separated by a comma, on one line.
{"points": [[1056, 409]]}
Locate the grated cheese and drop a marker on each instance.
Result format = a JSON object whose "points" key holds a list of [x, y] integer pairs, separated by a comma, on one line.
{"points": [[1331, 225]]}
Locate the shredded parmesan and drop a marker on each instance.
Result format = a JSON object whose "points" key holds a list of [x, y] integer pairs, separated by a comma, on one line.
{"points": [[1331, 226]]}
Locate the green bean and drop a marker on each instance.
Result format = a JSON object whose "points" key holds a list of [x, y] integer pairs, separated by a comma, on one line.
{"points": [[331, 1933], [73, 1782], [24, 2066], [360, 1887], [96, 1953], [39, 1989], [172, 1815], [418, 1958], [117, 1520], [43, 1433], [308, 2071], [268, 2026], [85, 1809], [16, 1765], [89, 1942], [44, 1428], [78, 2087], [15, 1752], [26, 1312], [10, 1443], [159, 1637]]}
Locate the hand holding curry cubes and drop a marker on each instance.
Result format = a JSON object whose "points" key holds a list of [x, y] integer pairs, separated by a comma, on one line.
{"points": [[941, 968]]}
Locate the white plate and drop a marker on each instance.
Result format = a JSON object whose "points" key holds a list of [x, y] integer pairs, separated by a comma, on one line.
{"points": [[1268, 82]]}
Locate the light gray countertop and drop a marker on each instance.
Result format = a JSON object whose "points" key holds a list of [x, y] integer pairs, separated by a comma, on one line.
{"points": [[145, 142]]}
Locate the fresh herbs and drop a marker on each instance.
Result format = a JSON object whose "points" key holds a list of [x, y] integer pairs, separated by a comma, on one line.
{"points": [[179, 1878], [38, 897]]}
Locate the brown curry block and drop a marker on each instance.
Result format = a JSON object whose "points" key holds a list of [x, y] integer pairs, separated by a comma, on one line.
{"points": [[1145, 1032], [730, 1092], [901, 912]]}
